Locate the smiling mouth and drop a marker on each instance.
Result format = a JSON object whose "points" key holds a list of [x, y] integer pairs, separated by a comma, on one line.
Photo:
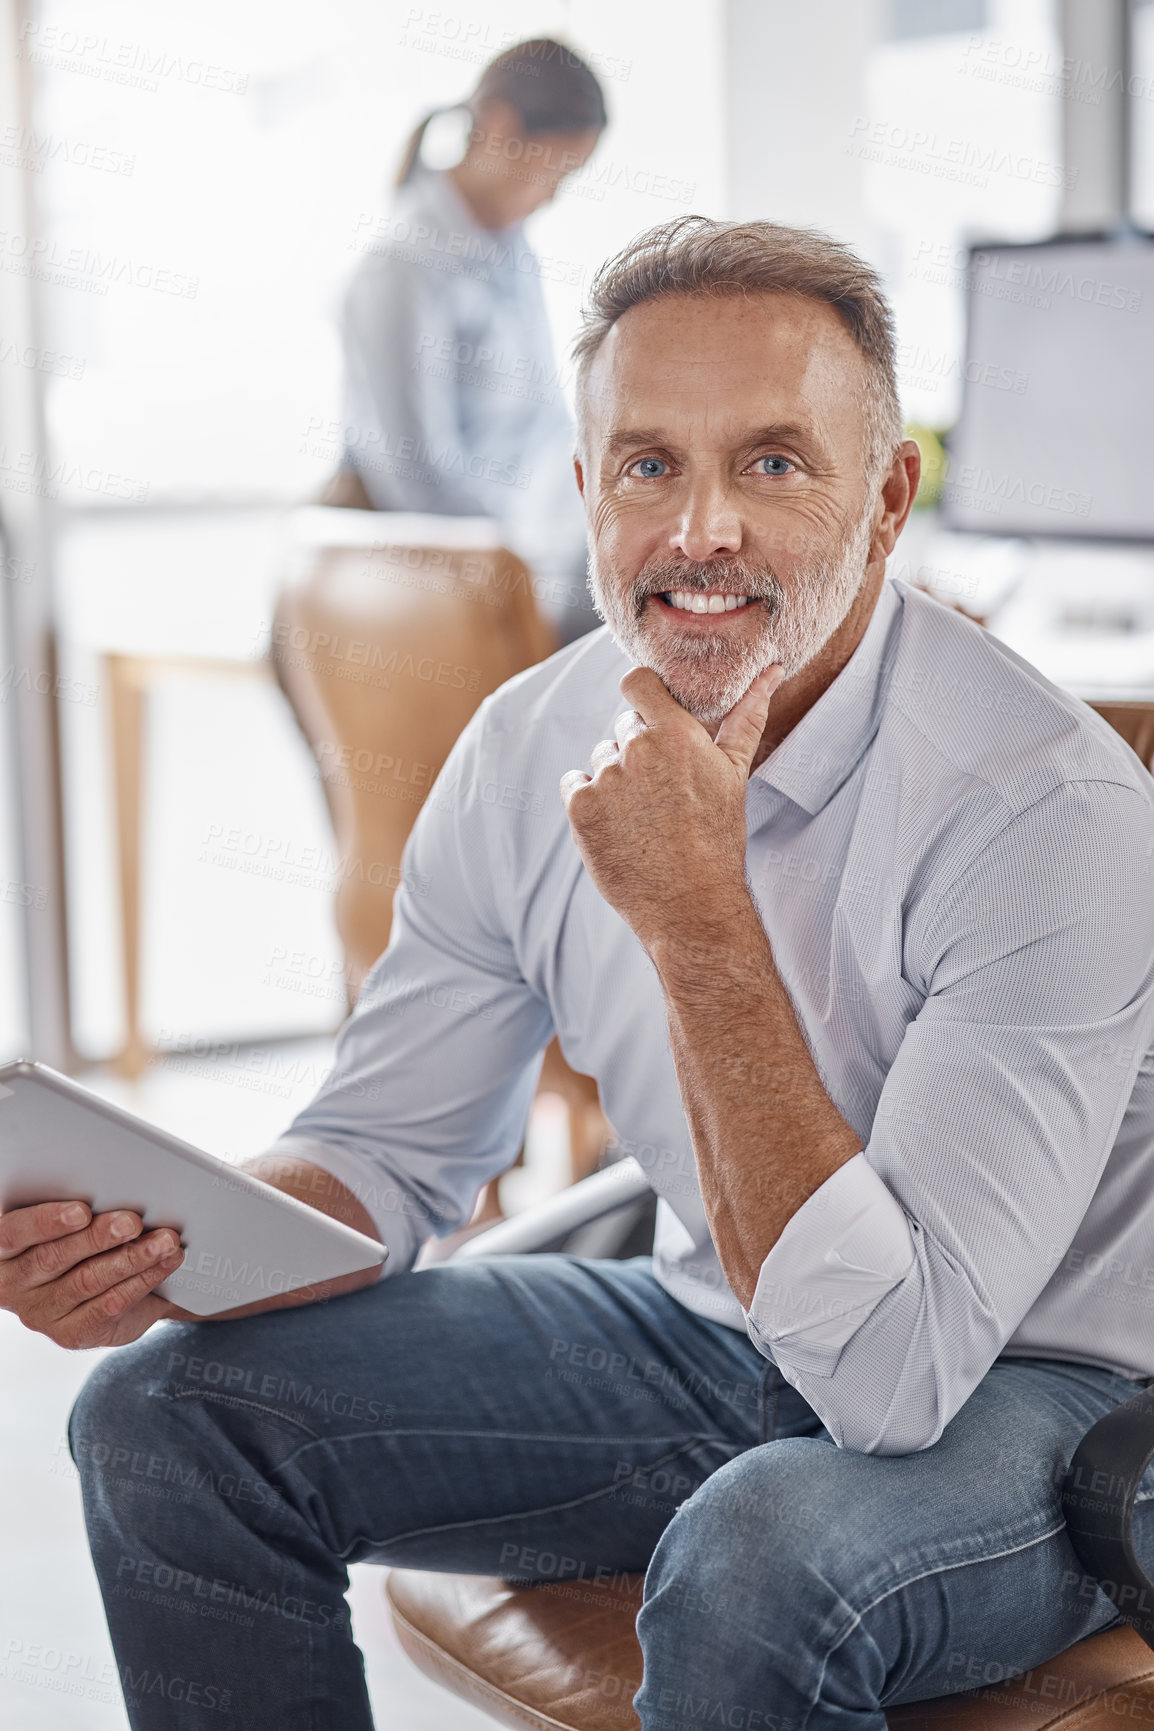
{"points": [[701, 601]]}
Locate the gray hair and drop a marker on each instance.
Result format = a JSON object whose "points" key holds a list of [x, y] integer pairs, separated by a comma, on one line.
{"points": [[694, 255]]}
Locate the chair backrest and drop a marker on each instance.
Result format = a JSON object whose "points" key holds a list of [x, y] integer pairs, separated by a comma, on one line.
{"points": [[385, 641]]}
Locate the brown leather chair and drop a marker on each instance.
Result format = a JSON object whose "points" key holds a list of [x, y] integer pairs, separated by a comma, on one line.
{"points": [[565, 1657], [385, 639]]}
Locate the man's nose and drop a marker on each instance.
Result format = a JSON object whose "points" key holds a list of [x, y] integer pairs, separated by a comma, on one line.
{"points": [[710, 524]]}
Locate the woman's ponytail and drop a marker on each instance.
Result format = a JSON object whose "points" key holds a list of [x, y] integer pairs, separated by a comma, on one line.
{"points": [[551, 88], [411, 154]]}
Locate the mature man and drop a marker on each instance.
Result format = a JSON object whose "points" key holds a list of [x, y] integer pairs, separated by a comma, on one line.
{"points": [[851, 917]]}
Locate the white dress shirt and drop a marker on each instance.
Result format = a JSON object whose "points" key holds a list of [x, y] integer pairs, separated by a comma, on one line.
{"points": [[952, 860], [453, 398]]}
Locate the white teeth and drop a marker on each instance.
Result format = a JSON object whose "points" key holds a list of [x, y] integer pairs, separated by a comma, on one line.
{"points": [[693, 601]]}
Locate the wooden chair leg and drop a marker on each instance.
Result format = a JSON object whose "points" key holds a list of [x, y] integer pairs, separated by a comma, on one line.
{"points": [[127, 716]]}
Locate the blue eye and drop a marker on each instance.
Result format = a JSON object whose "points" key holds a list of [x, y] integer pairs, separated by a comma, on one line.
{"points": [[649, 468], [782, 465]]}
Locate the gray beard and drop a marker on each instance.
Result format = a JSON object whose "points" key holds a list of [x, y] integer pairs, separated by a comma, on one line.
{"points": [[709, 674]]}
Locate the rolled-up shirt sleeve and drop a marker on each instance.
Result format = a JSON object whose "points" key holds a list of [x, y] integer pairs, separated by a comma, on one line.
{"points": [[435, 1070], [845, 1248], [898, 1282]]}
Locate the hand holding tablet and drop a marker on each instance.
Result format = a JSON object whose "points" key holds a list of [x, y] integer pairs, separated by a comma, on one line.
{"points": [[76, 1280]]}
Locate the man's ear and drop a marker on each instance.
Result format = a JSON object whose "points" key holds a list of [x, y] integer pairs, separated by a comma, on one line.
{"points": [[579, 471], [898, 492]]}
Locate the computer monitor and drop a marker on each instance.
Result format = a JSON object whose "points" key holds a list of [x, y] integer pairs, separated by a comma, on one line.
{"points": [[1056, 433]]}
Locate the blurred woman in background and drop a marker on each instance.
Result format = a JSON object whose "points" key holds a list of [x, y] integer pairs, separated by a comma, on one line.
{"points": [[453, 403]]}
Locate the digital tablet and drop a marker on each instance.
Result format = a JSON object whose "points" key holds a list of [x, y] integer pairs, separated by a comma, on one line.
{"points": [[243, 1240]]}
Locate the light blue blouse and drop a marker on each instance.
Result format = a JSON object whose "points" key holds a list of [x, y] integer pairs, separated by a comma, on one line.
{"points": [[453, 396]]}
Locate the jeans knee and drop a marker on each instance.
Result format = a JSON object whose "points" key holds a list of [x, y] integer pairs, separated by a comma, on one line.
{"points": [[710, 1560], [753, 1578], [116, 1423]]}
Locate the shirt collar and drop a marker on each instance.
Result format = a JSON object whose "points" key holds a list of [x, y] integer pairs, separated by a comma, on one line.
{"points": [[823, 750]]}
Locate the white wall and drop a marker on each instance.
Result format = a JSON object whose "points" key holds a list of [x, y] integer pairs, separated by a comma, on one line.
{"points": [[795, 85]]}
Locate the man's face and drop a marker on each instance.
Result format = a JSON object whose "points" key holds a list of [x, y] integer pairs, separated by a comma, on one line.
{"points": [[724, 482]]}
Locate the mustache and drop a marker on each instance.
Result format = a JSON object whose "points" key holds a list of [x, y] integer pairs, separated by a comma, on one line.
{"points": [[733, 574]]}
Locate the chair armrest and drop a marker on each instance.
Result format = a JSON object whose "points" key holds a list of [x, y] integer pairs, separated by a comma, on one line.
{"points": [[1098, 1502], [549, 1222]]}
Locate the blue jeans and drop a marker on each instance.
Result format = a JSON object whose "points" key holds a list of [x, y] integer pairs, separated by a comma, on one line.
{"points": [[548, 1418]]}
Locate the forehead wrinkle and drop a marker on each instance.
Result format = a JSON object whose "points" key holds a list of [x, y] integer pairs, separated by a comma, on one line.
{"points": [[717, 329], [668, 409]]}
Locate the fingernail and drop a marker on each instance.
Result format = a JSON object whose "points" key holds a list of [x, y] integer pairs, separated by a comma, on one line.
{"points": [[123, 1226], [76, 1215], [162, 1246]]}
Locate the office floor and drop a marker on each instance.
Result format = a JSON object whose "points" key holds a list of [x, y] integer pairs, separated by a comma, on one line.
{"points": [[56, 1664]]}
